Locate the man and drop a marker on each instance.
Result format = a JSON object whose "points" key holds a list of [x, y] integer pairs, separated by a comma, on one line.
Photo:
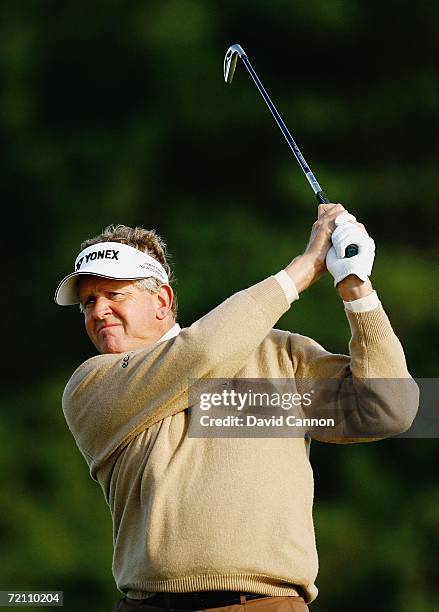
{"points": [[206, 523]]}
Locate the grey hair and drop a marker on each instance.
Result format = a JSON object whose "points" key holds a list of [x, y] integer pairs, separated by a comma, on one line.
{"points": [[150, 284]]}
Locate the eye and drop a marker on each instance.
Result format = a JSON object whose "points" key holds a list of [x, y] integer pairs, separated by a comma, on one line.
{"points": [[83, 305], [88, 301]]}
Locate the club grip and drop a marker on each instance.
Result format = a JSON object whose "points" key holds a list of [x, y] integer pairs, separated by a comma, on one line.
{"points": [[322, 198], [352, 249]]}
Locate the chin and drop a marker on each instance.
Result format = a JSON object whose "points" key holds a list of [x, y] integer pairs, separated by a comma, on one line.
{"points": [[106, 349]]}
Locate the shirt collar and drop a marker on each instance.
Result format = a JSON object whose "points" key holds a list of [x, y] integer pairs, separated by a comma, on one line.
{"points": [[171, 333]]}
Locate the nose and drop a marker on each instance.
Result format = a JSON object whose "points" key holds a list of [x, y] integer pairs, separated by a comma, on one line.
{"points": [[101, 308]]}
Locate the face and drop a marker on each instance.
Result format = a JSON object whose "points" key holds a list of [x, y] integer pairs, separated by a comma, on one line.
{"points": [[119, 316]]}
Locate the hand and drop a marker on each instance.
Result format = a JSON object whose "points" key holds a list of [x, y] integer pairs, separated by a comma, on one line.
{"points": [[309, 267], [348, 231]]}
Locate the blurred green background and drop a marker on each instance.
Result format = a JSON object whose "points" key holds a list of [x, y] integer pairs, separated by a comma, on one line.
{"points": [[117, 112]]}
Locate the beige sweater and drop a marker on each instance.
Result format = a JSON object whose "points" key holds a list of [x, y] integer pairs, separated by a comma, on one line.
{"points": [[195, 514]]}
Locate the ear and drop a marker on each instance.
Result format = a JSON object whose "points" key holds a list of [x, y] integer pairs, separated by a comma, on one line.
{"points": [[165, 299]]}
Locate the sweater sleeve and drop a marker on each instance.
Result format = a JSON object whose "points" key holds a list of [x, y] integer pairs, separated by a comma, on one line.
{"points": [[370, 393], [112, 398]]}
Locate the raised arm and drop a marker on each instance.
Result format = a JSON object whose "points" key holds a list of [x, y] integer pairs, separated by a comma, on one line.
{"points": [[371, 394]]}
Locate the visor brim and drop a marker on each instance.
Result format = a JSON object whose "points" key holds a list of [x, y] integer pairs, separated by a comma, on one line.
{"points": [[67, 292]]}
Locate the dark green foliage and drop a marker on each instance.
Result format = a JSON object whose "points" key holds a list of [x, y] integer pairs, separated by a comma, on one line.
{"points": [[118, 113]]}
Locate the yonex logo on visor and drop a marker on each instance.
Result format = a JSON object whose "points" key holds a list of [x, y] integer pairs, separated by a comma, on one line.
{"points": [[109, 260], [108, 254]]}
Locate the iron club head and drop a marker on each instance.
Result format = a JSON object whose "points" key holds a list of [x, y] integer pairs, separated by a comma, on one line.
{"points": [[230, 59]]}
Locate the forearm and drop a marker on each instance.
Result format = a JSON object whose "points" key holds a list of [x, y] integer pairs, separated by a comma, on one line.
{"points": [[385, 396], [353, 288], [302, 271], [375, 350], [373, 393]]}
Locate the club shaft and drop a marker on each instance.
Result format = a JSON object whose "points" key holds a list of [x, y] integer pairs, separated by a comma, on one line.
{"points": [[229, 69], [283, 128]]}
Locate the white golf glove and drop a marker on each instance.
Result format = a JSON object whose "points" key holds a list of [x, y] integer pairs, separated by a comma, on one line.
{"points": [[347, 233]]}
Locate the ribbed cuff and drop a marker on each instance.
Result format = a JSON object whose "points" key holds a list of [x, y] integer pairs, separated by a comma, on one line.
{"points": [[363, 304], [288, 286]]}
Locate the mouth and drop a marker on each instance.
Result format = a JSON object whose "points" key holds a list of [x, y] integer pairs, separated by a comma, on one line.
{"points": [[104, 327]]}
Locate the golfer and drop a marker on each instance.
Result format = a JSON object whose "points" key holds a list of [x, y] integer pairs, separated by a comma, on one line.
{"points": [[207, 523]]}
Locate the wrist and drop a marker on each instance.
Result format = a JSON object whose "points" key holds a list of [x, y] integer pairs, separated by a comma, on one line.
{"points": [[301, 271], [353, 288]]}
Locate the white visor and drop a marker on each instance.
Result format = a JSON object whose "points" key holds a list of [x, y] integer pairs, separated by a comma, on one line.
{"points": [[109, 260]]}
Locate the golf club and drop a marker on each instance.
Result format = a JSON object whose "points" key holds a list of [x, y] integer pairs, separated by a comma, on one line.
{"points": [[230, 60]]}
